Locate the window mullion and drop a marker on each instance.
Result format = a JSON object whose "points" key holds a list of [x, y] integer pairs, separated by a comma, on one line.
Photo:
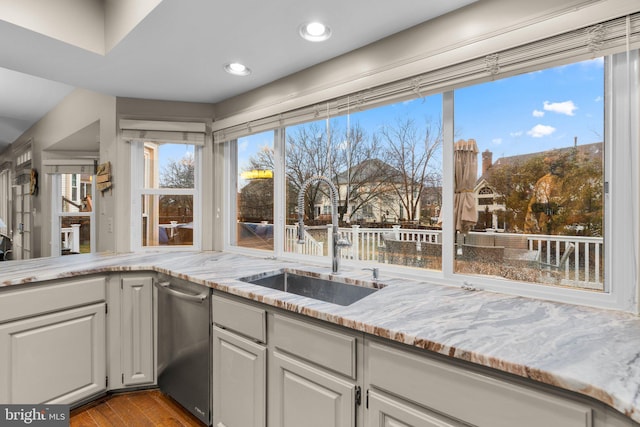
{"points": [[279, 191], [446, 212]]}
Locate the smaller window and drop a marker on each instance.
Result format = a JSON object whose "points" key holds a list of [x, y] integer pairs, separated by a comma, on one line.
{"points": [[167, 190]]}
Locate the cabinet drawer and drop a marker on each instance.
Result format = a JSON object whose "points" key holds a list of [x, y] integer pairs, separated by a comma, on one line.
{"points": [[323, 346], [466, 395], [50, 297], [241, 318]]}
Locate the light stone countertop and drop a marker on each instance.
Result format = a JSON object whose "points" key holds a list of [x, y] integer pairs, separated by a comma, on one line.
{"points": [[585, 350]]}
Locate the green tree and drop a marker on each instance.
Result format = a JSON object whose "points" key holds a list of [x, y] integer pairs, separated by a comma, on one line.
{"points": [[514, 182]]}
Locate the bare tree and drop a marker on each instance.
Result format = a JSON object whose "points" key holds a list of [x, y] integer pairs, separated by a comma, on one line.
{"points": [[178, 174], [357, 171], [307, 154], [255, 201], [413, 154]]}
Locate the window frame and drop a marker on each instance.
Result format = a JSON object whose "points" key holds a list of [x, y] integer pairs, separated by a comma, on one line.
{"points": [[57, 213], [139, 189], [622, 93]]}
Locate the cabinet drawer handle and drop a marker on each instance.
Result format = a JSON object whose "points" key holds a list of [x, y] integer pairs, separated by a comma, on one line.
{"points": [[188, 297]]}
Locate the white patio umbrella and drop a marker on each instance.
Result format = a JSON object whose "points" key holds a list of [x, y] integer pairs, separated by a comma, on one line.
{"points": [[465, 160]]}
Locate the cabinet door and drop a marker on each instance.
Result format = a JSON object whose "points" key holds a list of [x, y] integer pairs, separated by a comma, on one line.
{"points": [[56, 358], [239, 381], [468, 395], [304, 395], [385, 411], [137, 330]]}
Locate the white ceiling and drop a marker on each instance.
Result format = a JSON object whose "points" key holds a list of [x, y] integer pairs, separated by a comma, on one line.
{"points": [[178, 50]]}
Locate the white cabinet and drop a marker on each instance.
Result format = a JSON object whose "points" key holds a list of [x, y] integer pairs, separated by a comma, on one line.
{"points": [[137, 330], [239, 364], [131, 330], [52, 351], [456, 394], [239, 385], [306, 395], [313, 375], [389, 411]]}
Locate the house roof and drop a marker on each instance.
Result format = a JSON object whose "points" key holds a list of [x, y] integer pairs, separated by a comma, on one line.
{"points": [[373, 170], [592, 150]]}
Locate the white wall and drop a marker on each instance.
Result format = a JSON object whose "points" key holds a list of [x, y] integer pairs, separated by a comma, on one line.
{"points": [[77, 111]]}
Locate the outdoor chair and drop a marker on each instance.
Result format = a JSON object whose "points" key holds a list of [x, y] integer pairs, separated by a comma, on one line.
{"points": [[480, 239], [382, 248], [512, 241], [478, 253], [556, 271], [401, 252], [431, 256]]}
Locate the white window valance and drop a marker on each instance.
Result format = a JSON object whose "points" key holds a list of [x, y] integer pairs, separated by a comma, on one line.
{"points": [[598, 40], [163, 131], [64, 166]]}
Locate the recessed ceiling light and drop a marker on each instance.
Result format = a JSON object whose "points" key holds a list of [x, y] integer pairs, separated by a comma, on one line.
{"points": [[315, 31], [237, 69]]}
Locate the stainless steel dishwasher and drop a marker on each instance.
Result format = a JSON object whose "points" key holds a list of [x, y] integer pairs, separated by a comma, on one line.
{"points": [[184, 344]]}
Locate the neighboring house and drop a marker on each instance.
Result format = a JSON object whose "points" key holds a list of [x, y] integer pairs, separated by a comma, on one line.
{"points": [[375, 188], [490, 203], [431, 203]]}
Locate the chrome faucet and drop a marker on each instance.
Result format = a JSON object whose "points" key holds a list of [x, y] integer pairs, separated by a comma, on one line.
{"points": [[338, 242]]}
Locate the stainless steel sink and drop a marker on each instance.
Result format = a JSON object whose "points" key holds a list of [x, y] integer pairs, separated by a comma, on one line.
{"points": [[332, 291]]}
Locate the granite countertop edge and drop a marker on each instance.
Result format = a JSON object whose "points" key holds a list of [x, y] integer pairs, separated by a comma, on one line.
{"points": [[594, 352]]}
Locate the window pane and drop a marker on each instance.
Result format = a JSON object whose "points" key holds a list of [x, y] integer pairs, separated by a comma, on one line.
{"points": [[386, 165], [536, 211], [255, 191], [75, 235], [167, 220], [71, 200], [168, 165]]}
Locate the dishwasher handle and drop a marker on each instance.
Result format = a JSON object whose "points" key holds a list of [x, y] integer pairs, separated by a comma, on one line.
{"points": [[188, 297]]}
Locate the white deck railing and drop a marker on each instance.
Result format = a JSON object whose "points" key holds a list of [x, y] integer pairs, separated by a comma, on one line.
{"points": [[310, 246], [71, 238], [584, 267]]}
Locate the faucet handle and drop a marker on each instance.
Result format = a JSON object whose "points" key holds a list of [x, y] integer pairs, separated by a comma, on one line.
{"points": [[374, 271]]}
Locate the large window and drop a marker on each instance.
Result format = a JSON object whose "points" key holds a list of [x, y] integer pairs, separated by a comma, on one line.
{"points": [[385, 163], [166, 186], [512, 185], [252, 173], [535, 142]]}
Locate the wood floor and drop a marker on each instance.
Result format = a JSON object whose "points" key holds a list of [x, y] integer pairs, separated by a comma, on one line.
{"points": [[140, 408]]}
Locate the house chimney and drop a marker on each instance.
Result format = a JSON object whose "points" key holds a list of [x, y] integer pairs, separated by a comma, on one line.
{"points": [[487, 160]]}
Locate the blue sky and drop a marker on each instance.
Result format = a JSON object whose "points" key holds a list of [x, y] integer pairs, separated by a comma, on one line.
{"points": [[527, 113]]}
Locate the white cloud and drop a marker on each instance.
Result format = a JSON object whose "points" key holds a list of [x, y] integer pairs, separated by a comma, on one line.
{"points": [[539, 131], [497, 141], [243, 145], [566, 107], [538, 113], [516, 134], [598, 99]]}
